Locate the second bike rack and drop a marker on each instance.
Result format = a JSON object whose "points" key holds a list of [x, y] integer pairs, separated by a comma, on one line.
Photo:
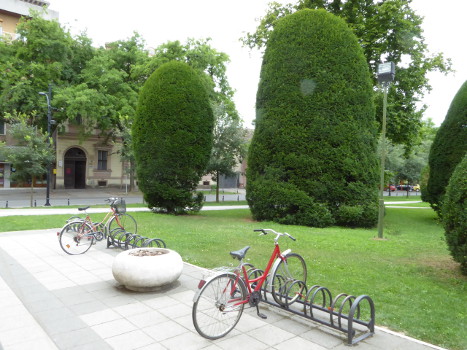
{"points": [[345, 313], [126, 240]]}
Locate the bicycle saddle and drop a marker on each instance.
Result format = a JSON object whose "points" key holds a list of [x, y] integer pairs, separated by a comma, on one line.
{"points": [[240, 254], [84, 208]]}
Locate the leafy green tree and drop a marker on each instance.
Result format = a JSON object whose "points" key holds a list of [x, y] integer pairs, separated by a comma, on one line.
{"points": [[106, 89], [448, 149], [45, 53], [387, 31], [31, 154], [315, 136], [454, 209], [229, 145], [172, 138], [408, 166]]}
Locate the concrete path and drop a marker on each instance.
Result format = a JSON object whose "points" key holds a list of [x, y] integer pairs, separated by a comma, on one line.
{"points": [[51, 300]]}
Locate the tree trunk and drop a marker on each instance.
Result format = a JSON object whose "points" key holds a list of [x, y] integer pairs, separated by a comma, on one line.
{"points": [[32, 189], [132, 176], [217, 187]]}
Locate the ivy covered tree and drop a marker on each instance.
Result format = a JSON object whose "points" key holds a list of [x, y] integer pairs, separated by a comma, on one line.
{"points": [[387, 30], [454, 209], [172, 138], [312, 160], [447, 150]]}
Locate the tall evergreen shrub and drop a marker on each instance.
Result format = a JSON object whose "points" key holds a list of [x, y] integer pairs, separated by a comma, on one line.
{"points": [[448, 149], [172, 137], [315, 136], [454, 209]]}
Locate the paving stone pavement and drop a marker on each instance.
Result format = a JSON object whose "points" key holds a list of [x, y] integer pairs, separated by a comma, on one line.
{"points": [[51, 300]]}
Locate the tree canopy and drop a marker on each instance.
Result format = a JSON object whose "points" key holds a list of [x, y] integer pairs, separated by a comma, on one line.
{"points": [[312, 160], [387, 31], [172, 137], [448, 149]]}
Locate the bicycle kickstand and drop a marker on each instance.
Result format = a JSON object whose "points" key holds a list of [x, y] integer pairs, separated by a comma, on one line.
{"points": [[263, 316]]}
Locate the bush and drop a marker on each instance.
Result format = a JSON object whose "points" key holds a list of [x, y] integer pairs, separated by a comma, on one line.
{"points": [[315, 124], [454, 214], [286, 204], [172, 138], [448, 148]]}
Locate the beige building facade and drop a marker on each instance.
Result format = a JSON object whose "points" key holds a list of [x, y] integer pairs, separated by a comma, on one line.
{"points": [[91, 162]]}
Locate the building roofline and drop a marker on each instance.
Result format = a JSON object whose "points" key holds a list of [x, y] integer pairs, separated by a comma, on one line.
{"points": [[21, 7]]}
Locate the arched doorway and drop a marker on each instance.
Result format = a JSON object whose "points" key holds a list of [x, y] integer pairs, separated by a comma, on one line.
{"points": [[75, 168]]}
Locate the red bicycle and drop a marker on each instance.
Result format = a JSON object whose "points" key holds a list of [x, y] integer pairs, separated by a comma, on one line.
{"points": [[219, 301]]}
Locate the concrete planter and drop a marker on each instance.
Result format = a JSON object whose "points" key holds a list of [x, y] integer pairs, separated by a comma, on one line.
{"points": [[147, 269]]}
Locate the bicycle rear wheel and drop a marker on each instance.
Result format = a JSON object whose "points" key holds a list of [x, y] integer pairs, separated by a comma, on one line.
{"points": [[123, 221], [218, 306], [76, 237], [292, 269]]}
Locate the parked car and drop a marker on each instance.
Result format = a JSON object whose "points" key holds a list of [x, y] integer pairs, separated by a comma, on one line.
{"points": [[405, 187], [391, 188], [416, 188]]}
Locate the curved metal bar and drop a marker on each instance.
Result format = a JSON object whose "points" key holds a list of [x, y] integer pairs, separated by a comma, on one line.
{"points": [[131, 241], [371, 323], [301, 284], [154, 241], [312, 288], [333, 306], [349, 298]]}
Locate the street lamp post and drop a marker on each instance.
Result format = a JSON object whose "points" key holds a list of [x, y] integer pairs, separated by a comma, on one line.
{"points": [[386, 73], [48, 96]]}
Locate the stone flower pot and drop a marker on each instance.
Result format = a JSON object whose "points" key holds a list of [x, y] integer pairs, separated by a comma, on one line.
{"points": [[147, 269]]}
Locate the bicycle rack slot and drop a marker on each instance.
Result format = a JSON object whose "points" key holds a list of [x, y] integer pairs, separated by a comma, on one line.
{"points": [[126, 240], [309, 306]]}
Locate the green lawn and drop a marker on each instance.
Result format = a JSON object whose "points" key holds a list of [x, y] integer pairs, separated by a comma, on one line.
{"points": [[416, 287]]}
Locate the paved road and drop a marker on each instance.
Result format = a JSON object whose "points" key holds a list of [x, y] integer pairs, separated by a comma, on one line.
{"points": [[21, 197]]}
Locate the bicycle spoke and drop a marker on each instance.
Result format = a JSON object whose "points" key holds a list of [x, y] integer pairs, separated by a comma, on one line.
{"points": [[219, 306]]}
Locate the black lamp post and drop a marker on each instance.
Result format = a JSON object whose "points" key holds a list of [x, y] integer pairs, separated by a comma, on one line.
{"points": [[386, 73], [50, 122]]}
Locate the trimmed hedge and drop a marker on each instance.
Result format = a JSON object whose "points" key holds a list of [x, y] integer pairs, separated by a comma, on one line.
{"points": [[315, 135], [447, 150], [454, 210], [172, 138]]}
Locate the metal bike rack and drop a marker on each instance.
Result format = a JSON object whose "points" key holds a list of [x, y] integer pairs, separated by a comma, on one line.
{"points": [[126, 240], [343, 313]]}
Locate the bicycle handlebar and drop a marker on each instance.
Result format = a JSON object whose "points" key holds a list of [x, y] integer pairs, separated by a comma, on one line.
{"points": [[265, 231]]}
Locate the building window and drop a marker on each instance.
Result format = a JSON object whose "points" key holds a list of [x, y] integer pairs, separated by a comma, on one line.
{"points": [[102, 160], [2, 127]]}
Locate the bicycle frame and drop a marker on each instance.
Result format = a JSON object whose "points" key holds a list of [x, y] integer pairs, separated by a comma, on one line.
{"points": [[108, 216], [275, 258]]}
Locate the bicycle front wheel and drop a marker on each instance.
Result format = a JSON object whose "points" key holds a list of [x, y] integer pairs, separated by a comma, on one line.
{"points": [[76, 237], [289, 270], [218, 306], [123, 221]]}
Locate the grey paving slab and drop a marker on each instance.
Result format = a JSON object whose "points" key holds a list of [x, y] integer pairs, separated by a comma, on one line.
{"points": [[53, 301]]}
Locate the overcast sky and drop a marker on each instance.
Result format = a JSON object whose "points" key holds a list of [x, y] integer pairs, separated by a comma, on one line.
{"points": [[226, 21]]}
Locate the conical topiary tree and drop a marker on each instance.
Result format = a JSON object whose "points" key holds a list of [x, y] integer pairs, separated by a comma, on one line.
{"points": [[172, 137], [447, 150], [454, 210], [312, 159]]}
